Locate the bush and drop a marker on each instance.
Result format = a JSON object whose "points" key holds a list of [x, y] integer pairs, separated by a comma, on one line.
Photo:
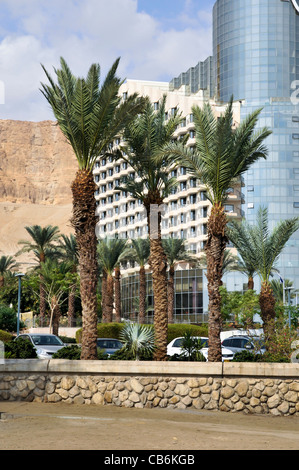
{"points": [[72, 352], [246, 356], [5, 337], [8, 319], [20, 349]]}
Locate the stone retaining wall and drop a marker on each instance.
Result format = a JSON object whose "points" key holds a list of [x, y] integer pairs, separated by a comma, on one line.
{"points": [[230, 387]]}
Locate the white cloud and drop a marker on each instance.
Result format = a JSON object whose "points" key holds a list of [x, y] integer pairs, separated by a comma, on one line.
{"points": [[86, 31]]}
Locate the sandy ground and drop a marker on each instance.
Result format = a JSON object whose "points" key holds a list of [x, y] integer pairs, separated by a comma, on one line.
{"points": [[45, 426]]}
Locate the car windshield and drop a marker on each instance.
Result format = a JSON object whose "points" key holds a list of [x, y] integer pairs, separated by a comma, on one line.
{"points": [[46, 340], [109, 344]]}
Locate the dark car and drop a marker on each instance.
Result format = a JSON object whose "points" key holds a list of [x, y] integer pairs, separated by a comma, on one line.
{"points": [[109, 345], [244, 343]]}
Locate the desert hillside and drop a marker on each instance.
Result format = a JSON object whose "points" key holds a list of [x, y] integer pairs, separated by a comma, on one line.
{"points": [[37, 167]]}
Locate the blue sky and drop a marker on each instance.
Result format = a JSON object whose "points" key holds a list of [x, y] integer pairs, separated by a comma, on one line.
{"points": [[156, 40]]}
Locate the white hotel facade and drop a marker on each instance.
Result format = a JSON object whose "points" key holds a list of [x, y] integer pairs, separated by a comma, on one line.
{"points": [[186, 210]]}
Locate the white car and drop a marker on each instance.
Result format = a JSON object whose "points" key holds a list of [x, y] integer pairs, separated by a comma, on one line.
{"points": [[45, 344], [175, 347]]}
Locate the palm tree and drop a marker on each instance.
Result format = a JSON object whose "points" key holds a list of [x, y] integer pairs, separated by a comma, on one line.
{"points": [[221, 155], [90, 116], [264, 248], [43, 245], [145, 137], [175, 250], [69, 253], [110, 251], [6, 264], [140, 252]]}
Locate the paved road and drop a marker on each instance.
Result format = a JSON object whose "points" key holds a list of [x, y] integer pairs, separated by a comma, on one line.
{"points": [[59, 426]]}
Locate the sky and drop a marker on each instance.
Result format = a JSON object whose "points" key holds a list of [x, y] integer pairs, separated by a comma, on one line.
{"points": [[155, 39]]}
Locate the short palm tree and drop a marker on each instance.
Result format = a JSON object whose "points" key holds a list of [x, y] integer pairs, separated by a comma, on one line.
{"points": [[139, 251], [90, 116], [110, 251], [43, 245], [69, 253], [6, 264], [264, 250], [175, 250], [145, 137], [138, 339], [221, 155]]}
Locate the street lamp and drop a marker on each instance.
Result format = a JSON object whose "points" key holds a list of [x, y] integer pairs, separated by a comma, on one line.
{"points": [[19, 276]]}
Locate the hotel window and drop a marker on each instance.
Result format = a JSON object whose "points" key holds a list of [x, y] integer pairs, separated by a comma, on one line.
{"points": [[156, 105], [117, 169], [103, 161], [296, 205], [183, 186], [103, 188], [250, 188], [103, 175], [97, 165], [229, 208], [203, 196], [110, 185], [183, 170], [183, 201], [97, 178], [110, 172], [192, 134], [192, 215], [295, 118], [192, 198], [192, 182], [124, 165], [192, 231]]}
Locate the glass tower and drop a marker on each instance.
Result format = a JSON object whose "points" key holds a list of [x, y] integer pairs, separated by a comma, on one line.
{"points": [[256, 60]]}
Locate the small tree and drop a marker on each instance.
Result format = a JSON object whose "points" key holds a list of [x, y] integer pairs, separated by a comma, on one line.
{"points": [[138, 339]]}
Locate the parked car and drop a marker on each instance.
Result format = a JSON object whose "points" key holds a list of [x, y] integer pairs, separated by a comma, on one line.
{"points": [[244, 343], [45, 344], [109, 345], [175, 347]]}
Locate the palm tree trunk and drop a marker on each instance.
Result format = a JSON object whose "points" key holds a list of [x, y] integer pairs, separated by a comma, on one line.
{"points": [[117, 294], [71, 307], [170, 294], [42, 302], [109, 298], [84, 222], [142, 295], [104, 296], [250, 283], [215, 248], [267, 305], [158, 263]]}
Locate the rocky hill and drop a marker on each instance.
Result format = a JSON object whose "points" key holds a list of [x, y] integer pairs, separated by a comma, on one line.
{"points": [[37, 166]]}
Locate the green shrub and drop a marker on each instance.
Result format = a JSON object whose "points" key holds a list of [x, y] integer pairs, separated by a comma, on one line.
{"points": [[20, 349], [67, 340], [126, 355], [105, 330], [72, 352], [8, 319], [5, 337], [245, 356], [176, 330]]}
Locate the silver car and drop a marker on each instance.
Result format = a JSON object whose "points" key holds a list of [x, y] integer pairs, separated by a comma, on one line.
{"points": [[45, 344], [244, 343]]}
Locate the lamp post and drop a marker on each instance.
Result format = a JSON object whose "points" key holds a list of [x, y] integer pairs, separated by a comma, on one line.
{"points": [[19, 276]]}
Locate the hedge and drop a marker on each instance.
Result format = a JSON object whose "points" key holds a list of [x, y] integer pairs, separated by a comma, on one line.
{"points": [[112, 330], [5, 337]]}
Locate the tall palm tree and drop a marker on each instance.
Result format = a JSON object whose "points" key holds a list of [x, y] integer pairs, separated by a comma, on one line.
{"points": [[265, 248], [44, 246], [69, 253], [110, 251], [221, 155], [140, 252], [6, 264], [90, 116], [145, 137], [175, 250]]}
